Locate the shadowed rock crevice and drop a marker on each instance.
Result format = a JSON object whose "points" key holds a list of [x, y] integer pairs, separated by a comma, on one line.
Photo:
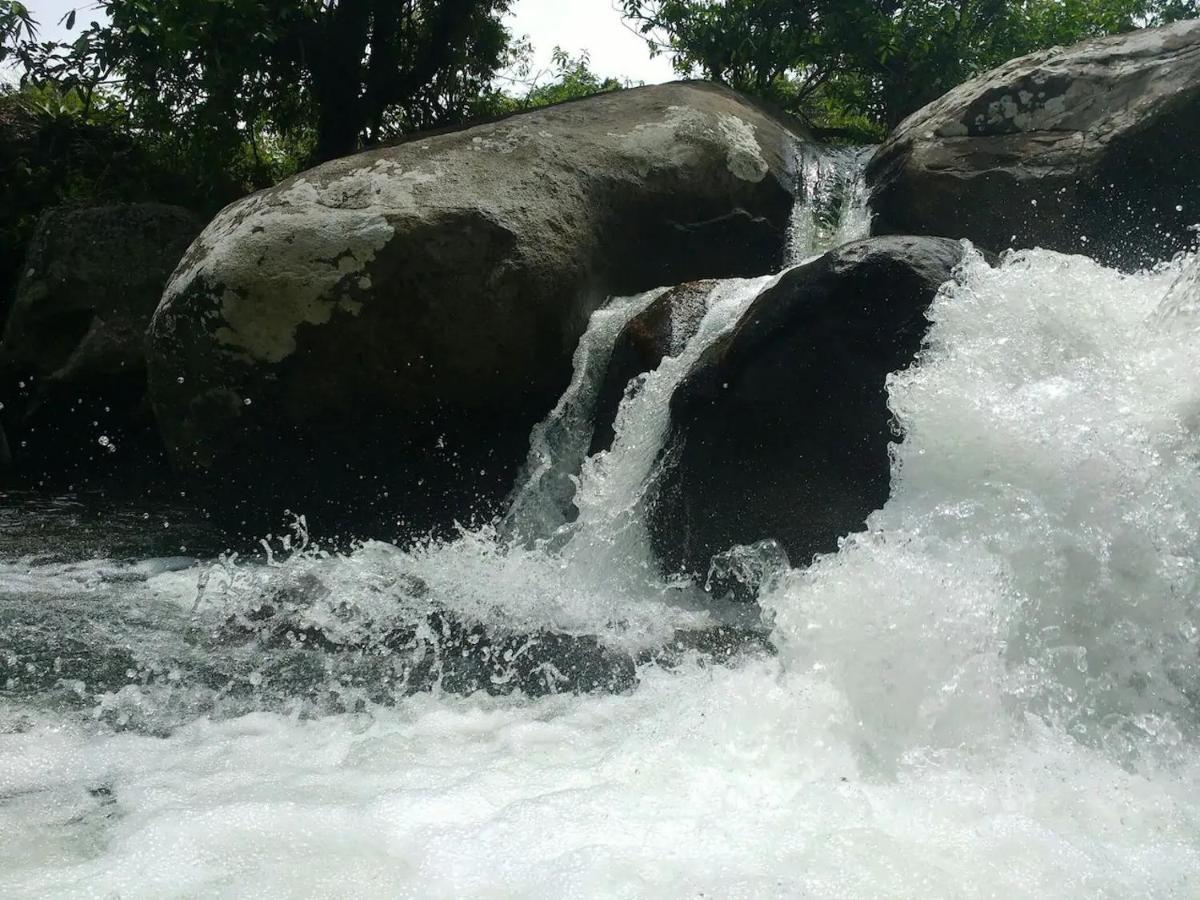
{"points": [[72, 360]]}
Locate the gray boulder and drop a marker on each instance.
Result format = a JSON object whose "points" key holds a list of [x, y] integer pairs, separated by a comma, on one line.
{"points": [[1090, 149], [382, 332], [73, 349], [780, 432]]}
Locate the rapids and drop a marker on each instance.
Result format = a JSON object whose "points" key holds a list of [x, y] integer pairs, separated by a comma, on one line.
{"points": [[993, 691]]}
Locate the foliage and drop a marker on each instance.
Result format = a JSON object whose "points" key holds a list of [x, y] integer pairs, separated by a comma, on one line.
{"points": [[858, 63], [569, 78], [16, 25], [199, 102], [324, 75]]}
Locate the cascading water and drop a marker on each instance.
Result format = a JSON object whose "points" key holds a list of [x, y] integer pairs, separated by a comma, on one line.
{"points": [[832, 188], [992, 691]]}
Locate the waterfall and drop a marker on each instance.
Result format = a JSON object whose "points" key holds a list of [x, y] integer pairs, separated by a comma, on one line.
{"points": [[830, 210], [831, 206], [543, 499]]}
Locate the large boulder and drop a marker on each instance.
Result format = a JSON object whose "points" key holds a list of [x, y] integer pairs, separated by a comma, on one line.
{"points": [[1090, 149], [780, 431], [384, 330], [73, 348]]}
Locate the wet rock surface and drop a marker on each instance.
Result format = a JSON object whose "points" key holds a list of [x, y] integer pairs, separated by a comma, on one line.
{"points": [[780, 432], [102, 614], [1088, 149], [150, 669], [441, 651]]}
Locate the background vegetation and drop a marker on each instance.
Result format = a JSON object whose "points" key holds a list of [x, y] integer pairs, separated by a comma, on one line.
{"points": [[861, 66]]}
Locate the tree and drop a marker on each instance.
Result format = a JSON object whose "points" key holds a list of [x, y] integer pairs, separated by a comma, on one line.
{"points": [[343, 72], [570, 77], [777, 49], [16, 25], [914, 51]]}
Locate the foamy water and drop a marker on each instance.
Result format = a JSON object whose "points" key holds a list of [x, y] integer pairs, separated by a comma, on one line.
{"points": [[994, 691]]}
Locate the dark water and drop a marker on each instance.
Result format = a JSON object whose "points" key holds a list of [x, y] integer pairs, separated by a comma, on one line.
{"points": [[44, 528]]}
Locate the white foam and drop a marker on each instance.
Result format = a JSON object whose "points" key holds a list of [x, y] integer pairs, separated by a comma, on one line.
{"points": [[992, 692], [732, 783]]}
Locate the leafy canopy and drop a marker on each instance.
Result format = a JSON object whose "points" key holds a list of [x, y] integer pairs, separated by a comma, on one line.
{"points": [[333, 73]]}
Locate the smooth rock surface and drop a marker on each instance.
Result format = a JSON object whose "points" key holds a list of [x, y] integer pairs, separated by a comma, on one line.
{"points": [[1090, 149], [382, 332], [781, 430]]}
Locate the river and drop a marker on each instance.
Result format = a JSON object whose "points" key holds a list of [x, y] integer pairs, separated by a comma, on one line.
{"points": [[992, 691]]}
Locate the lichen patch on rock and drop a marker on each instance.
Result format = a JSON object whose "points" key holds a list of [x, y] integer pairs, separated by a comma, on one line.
{"points": [[745, 156]]}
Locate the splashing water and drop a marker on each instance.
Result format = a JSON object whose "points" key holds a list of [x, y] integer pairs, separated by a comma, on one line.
{"points": [[992, 691]]}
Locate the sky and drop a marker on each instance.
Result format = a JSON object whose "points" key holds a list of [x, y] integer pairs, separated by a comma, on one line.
{"points": [[574, 25]]}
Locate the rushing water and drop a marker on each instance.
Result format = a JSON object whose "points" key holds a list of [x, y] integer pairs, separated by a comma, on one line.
{"points": [[994, 691], [832, 189]]}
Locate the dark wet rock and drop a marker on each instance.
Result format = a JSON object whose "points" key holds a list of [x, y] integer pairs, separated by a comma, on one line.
{"points": [[1089, 149], [464, 658], [35, 659], [441, 651], [73, 352], [382, 332], [781, 430], [720, 645], [662, 329], [151, 670]]}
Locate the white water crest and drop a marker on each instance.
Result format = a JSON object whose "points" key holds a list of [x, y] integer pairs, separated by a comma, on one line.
{"points": [[993, 691]]}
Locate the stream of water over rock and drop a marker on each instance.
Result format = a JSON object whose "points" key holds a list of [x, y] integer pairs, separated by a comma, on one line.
{"points": [[993, 691]]}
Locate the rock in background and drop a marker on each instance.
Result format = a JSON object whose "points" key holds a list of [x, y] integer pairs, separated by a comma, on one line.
{"points": [[73, 351], [1091, 149], [382, 332]]}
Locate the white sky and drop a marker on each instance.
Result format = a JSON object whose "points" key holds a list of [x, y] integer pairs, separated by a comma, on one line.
{"points": [[574, 25], [592, 25]]}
